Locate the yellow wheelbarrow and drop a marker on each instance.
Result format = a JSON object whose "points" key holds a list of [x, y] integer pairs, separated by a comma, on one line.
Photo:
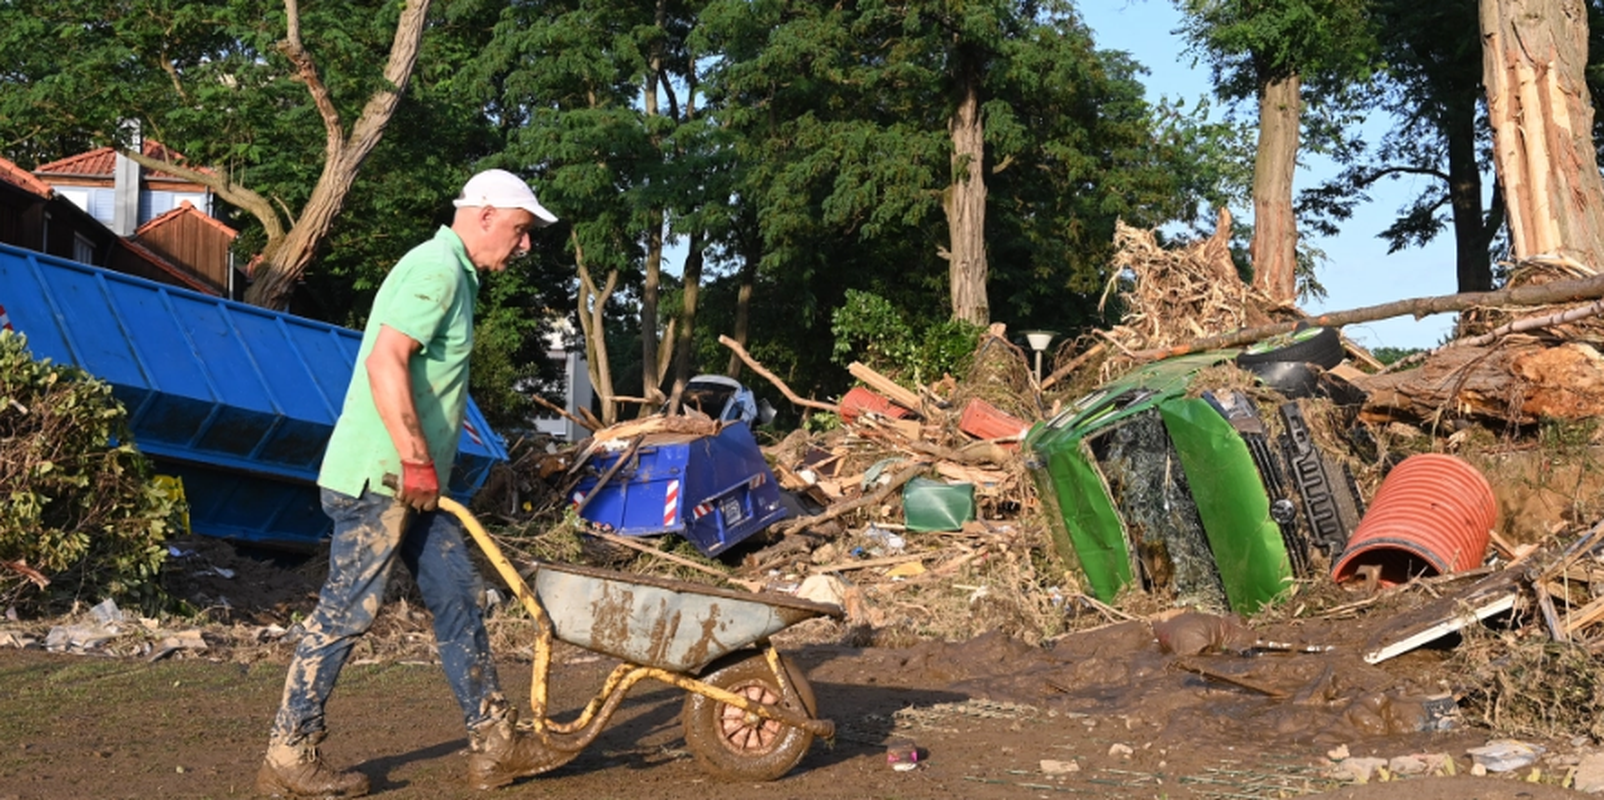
{"points": [[749, 715]]}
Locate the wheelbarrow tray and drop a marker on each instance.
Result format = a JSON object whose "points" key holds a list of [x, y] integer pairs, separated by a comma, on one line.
{"points": [[657, 622]]}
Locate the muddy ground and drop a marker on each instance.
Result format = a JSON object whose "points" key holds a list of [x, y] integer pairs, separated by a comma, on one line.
{"points": [[1102, 712]]}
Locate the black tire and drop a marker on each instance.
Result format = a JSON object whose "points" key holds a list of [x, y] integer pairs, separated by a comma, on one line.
{"points": [[737, 747], [1319, 346]]}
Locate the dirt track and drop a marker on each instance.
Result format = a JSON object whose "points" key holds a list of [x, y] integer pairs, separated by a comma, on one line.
{"points": [[986, 714]]}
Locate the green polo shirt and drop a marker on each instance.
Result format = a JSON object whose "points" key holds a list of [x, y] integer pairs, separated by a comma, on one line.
{"points": [[429, 296]]}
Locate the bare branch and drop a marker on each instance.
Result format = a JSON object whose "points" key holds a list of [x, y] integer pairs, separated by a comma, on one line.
{"points": [[306, 72]]}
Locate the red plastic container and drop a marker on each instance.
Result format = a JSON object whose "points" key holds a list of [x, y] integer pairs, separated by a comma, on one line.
{"points": [[858, 400], [1431, 516], [983, 420]]}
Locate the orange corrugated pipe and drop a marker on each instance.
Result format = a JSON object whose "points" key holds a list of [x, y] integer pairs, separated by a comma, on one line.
{"points": [[1433, 515]]}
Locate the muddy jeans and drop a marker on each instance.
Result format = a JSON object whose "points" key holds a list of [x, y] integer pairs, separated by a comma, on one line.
{"points": [[370, 532]]}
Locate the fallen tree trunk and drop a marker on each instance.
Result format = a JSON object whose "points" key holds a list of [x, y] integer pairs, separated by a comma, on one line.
{"points": [[1518, 385], [1541, 294]]}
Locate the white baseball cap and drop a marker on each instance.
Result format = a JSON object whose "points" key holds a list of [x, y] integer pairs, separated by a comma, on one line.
{"points": [[499, 188]]}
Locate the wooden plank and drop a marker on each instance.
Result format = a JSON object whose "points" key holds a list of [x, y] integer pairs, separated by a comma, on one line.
{"points": [[880, 383], [1545, 603], [1442, 627], [1585, 616]]}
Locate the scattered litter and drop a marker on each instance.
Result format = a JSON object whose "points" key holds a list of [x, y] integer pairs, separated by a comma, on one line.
{"points": [[106, 612], [1504, 755], [17, 640], [1052, 767], [1359, 769], [902, 754], [79, 638]]}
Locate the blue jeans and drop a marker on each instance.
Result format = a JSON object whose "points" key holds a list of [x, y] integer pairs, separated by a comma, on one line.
{"points": [[370, 532]]}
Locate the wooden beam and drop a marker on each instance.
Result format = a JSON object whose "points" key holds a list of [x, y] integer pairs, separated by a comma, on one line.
{"points": [[883, 385]]}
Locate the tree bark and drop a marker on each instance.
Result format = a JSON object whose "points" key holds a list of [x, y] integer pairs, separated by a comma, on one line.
{"points": [[651, 376], [592, 320], [284, 261], [743, 302], [1275, 234], [966, 204], [1533, 57], [1473, 264], [684, 351]]}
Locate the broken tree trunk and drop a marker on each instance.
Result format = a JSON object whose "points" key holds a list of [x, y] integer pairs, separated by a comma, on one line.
{"points": [[1534, 61], [1517, 385]]}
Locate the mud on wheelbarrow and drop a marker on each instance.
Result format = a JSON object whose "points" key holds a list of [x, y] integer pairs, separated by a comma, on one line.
{"points": [[749, 714]]}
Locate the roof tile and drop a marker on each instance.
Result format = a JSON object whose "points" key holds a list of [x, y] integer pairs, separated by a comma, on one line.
{"points": [[13, 174]]}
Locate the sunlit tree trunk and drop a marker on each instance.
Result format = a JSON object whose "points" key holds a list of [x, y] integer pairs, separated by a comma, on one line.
{"points": [[1275, 233], [1534, 54], [966, 206]]}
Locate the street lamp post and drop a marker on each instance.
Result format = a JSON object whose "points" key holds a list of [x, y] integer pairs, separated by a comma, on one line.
{"points": [[1039, 340]]}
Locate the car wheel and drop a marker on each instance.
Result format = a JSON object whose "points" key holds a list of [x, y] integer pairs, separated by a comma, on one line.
{"points": [[1319, 346]]}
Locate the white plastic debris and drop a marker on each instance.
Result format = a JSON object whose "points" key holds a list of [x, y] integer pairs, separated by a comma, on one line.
{"points": [[1504, 755]]}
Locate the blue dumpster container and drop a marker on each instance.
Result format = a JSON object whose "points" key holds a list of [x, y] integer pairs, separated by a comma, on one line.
{"points": [[713, 490], [236, 400]]}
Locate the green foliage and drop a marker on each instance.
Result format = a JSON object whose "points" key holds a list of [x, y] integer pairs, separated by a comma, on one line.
{"points": [[80, 506], [1392, 355], [868, 328]]}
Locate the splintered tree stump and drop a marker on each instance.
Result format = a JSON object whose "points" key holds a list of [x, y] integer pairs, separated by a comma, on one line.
{"points": [[1518, 385]]}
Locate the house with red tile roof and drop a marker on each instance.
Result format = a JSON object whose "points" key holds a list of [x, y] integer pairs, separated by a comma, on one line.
{"points": [[119, 192], [37, 216]]}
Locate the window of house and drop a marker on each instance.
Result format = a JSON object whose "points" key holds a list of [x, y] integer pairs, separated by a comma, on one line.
{"points": [[83, 250]]}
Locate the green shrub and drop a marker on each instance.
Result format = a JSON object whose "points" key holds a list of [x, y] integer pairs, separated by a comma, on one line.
{"points": [[868, 328], [79, 505]]}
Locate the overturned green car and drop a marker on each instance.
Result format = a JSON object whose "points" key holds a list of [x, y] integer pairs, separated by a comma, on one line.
{"points": [[1147, 486]]}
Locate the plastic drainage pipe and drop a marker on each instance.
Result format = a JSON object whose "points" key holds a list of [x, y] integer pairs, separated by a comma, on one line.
{"points": [[1432, 516]]}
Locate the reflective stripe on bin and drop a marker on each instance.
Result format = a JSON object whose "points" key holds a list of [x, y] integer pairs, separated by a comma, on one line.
{"points": [[702, 510], [473, 433], [5, 321], [671, 503]]}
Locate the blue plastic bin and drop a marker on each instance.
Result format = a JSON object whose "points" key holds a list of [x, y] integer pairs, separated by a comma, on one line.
{"points": [[713, 490], [237, 400]]}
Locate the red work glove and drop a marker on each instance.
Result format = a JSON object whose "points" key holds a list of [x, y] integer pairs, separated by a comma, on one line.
{"points": [[420, 485]]}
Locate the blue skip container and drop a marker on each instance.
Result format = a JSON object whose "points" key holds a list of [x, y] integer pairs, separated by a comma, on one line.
{"points": [[237, 401], [713, 490]]}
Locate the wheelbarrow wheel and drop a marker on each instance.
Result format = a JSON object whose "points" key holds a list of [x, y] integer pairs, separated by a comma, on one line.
{"points": [[738, 746]]}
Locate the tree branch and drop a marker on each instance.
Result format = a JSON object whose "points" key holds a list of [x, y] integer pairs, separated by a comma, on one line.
{"points": [[1554, 292], [774, 379], [306, 72], [230, 192]]}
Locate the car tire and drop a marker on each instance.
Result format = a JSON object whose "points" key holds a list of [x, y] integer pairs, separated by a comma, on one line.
{"points": [[1319, 346]]}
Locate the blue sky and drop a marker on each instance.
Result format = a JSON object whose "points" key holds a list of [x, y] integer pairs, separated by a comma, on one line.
{"points": [[1358, 271]]}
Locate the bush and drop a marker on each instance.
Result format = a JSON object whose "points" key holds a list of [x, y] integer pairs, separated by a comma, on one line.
{"points": [[867, 327], [80, 507]]}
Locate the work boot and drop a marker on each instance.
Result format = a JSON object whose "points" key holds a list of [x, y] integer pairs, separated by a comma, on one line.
{"points": [[299, 770], [500, 753]]}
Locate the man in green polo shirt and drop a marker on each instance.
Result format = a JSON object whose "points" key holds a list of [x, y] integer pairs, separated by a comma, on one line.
{"points": [[391, 450]]}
